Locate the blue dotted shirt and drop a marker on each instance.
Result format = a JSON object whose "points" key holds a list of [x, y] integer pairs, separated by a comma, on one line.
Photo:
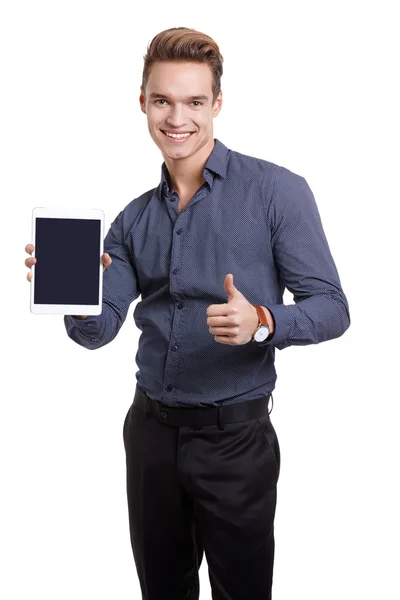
{"points": [[252, 218]]}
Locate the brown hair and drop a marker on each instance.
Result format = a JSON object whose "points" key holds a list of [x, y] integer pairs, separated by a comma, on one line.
{"points": [[182, 44]]}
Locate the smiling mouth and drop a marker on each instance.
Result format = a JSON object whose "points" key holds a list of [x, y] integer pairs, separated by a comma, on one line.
{"points": [[178, 136]]}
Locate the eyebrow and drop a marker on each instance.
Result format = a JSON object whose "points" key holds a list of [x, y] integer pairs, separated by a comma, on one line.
{"points": [[200, 97]]}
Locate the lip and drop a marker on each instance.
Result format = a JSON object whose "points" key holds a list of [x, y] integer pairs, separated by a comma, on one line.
{"points": [[177, 140]]}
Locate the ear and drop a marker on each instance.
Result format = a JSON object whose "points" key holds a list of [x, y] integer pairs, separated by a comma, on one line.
{"points": [[217, 104], [142, 101]]}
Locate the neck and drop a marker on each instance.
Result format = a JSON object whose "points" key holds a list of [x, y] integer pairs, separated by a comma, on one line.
{"points": [[188, 172]]}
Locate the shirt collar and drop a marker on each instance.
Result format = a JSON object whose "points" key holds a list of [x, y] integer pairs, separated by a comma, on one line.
{"points": [[216, 165]]}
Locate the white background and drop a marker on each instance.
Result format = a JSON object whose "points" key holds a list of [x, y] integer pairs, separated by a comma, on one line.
{"points": [[308, 85]]}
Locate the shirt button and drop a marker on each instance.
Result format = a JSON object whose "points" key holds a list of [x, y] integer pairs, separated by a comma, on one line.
{"points": [[179, 231], [175, 347], [169, 387], [172, 199], [180, 305], [175, 271], [164, 414]]}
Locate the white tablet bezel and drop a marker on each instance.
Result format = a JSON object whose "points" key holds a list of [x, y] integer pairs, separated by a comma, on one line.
{"points": [[67, 213]]}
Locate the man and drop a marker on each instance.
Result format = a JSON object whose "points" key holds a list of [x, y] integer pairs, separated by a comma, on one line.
{"points": [[210, 250]]}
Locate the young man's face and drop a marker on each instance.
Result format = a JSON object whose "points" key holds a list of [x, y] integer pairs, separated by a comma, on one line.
{"points": [[179, 109]]}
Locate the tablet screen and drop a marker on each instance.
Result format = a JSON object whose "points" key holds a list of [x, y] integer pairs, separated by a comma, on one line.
{"points": [[67, 268]]}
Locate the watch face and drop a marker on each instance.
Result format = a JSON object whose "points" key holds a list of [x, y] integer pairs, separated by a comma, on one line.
{"points": [[261, 334]]}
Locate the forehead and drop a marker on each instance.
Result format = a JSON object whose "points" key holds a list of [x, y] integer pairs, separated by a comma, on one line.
{"points": [[180, 79]]}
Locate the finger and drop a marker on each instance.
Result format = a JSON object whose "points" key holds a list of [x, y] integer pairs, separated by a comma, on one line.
{"points": [[30, 261], [29, 248], [222, 339], [223, 331], [225, 321], [29, 276], [218, 310]]}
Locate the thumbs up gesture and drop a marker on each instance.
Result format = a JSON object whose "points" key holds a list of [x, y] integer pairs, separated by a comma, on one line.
{"points": [[234, 322]]}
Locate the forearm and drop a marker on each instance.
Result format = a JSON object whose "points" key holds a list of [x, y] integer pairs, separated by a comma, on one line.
{"points": [[92, 332], [312, 320]]}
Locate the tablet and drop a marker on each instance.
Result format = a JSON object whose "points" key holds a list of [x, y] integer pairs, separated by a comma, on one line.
{"points": [[67, 278]]}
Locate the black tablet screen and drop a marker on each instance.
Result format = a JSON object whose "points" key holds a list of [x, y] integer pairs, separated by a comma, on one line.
{"points": [[68, 261]]}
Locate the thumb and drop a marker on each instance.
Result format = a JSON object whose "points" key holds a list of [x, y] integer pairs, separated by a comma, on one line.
{"points": [[229, 287], [106, 260]]}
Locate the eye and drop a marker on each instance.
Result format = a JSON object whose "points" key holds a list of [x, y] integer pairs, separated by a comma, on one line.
{"points": [[196, 102]]}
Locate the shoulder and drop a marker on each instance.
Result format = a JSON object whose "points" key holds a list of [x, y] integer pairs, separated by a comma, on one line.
{"points": [[285, 193], [270, 174]]}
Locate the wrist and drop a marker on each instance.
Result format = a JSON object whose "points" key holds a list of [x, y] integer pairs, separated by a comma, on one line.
{"points": [[256, 321], [263, 325], [270, 319]]}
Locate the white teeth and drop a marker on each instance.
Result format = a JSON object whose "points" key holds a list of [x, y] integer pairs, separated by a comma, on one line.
{"points": [[177, 135]]}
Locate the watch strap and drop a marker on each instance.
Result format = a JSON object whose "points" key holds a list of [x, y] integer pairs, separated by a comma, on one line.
{"points": [[262, 319]]}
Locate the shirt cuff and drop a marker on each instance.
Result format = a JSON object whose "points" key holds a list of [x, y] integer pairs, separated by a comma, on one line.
{"points": [[84, 324], [283, 324]]}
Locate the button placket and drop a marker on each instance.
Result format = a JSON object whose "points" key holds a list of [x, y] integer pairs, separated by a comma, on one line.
{"points": [[171, 371]]}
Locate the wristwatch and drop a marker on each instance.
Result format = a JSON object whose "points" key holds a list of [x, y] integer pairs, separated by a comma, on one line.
{"points": [[262, 331]]}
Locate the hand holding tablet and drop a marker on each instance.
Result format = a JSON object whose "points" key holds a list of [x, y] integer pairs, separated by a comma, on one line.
{"points": [[68, 263]]}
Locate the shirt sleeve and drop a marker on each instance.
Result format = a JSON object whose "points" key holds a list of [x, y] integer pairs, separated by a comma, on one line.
{"points": [[120, 288], [306, 268]]}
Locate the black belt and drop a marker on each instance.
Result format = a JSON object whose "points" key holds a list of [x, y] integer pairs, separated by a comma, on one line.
{"points": [[192, 417]]}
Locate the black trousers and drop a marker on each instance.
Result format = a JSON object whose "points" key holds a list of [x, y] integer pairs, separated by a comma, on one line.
{"points": [[195, 488]]}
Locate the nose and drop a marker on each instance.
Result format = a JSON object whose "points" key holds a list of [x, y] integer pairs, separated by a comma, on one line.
{"points": [[176, 118]]}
